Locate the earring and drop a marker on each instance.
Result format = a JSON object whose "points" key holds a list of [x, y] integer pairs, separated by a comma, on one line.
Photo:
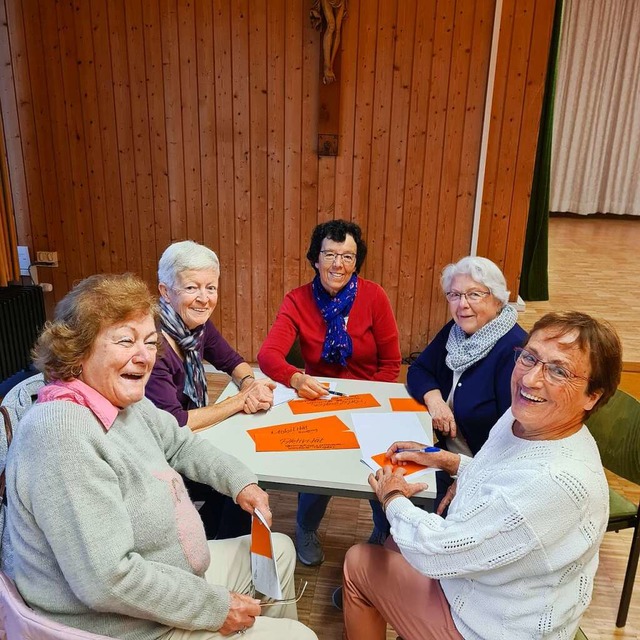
{"points": [[77, 372]]}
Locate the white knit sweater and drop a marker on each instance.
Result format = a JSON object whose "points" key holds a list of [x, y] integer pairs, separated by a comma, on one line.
{"points": [[517, 554]]}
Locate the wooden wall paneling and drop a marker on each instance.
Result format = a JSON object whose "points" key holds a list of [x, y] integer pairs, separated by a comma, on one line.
{"points": [[510, 124], [69, 260], [310, 162], [348, 76], [412, 238], [293, 262], [364, 96], [428, 311], [478, 69], [381, 122], [91, 127], [137, 71], [242, 171], [207, 118], [225, 167], [495, 129], [118, 41], [50, 227], [448, 203], [326, 193], [190, 123], [25, 121], [395, 210], [11, 127], [173, 118], [152, 37], [259, 119], [75, 127], [275, 154], [530, 125], [108, 131]]}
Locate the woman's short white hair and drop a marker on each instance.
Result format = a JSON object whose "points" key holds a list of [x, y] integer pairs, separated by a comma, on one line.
{"points": [[482, 270], [185, 256]]}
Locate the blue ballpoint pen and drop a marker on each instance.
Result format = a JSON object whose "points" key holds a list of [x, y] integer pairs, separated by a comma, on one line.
{"points": [[423, 450]]}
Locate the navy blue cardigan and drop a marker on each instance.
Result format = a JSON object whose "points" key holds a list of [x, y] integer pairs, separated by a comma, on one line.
{"points": [[484, 389]]}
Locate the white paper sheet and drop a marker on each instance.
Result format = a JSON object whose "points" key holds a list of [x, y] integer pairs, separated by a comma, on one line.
{"points": [[376, 432]]}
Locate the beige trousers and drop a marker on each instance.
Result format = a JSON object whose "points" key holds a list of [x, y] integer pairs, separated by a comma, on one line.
{"points": [[231, 566]]}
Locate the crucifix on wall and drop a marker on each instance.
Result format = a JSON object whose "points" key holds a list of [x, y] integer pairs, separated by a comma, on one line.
{"points": [[329, 15]]}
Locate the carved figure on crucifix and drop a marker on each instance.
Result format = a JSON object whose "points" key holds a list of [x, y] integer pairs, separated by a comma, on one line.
{"points": [[331, 13]]}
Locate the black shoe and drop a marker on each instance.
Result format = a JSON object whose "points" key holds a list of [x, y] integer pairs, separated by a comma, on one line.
{"points": [[336, 598]]}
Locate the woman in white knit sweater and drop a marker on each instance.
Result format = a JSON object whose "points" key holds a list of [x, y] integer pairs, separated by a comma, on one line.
{"points": [[516, 556]]}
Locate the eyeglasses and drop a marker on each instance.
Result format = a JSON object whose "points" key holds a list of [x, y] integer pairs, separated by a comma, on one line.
{"points": [[471, 296], [553, 373], [329, 257], [301, 590], [191, 291]]}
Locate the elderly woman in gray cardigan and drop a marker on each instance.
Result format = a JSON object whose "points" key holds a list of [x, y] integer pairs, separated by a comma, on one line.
{"points": [[104, 534]]}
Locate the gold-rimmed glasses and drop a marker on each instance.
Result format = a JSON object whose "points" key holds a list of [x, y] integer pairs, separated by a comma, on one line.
{"points": [[301, 589], [553, 373], [329, 257]]}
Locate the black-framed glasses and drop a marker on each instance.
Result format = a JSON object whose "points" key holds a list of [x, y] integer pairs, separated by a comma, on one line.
{"points": [[471, 296], [329, 257], [553, 373]]}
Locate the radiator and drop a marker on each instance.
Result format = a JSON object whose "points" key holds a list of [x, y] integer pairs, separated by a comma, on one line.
{"points": [[22, 316]]}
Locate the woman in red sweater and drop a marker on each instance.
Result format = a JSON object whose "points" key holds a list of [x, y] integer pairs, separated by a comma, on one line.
{"points": [[346, 329]]}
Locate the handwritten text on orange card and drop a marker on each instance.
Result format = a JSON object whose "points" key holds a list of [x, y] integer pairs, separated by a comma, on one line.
{"points": [[410, 467], [406, 404], [307, 435], [339, 403]]}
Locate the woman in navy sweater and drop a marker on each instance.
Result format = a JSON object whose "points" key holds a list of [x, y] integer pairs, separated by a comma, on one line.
{"points": [[463, 376]]}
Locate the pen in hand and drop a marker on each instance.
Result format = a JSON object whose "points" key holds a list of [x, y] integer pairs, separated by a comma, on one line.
{"points": [[336, 393], [423, 450]]}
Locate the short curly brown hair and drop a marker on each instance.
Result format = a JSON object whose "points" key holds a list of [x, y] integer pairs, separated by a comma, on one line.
{"points": [[93, 303], [599, 340]]}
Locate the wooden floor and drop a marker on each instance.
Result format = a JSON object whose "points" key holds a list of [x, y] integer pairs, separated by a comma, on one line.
{"points": [[595, 267]]}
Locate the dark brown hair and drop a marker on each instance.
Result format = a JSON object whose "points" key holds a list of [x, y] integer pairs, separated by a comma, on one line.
{"points": [[93, 303], [337, 231], [598, 340]]}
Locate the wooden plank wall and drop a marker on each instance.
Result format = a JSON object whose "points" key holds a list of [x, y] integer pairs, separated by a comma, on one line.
{"points": [[133, 123], [525, 33]]}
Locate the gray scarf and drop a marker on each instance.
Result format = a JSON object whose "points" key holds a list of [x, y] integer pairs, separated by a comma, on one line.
{"points": [[464, 351]]}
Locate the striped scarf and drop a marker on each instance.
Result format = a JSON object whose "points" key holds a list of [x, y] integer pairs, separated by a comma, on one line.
{"points": [[195, 384]]}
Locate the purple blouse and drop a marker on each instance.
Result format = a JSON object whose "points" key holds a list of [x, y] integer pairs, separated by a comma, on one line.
{"points": [[166, 384]]}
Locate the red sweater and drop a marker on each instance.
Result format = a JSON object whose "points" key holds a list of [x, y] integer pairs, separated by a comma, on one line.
{"points": [[371, 325]]}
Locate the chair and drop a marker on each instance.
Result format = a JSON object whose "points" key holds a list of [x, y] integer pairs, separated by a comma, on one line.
{"points": [[616, 429], [17, 620]]}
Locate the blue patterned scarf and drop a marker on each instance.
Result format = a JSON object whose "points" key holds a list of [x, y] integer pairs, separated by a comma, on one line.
{"points": [[195, 384], [337, 342]]}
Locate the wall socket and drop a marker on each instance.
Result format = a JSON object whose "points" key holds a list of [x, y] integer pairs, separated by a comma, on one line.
{"points": [[50, 258]]}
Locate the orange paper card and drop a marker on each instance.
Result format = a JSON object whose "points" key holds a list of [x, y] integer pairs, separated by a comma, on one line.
{"points": [[406, 404], [260, 538], [339, 403], [410, 467], [307, 435]]}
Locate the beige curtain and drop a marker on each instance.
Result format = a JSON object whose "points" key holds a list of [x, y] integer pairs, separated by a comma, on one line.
{"points": [[596, 136], [9, 267]]}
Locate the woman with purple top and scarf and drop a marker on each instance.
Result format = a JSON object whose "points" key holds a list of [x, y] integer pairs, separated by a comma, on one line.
{"points": [[188, 275], [346, 329]]}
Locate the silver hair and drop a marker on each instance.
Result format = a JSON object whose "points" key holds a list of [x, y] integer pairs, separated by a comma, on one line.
{"points": [[185, 256], [482, 270]]}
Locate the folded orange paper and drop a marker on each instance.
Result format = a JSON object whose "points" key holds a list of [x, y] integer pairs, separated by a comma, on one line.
{"points": [[338, 403], [406, 404], [410, 467]]}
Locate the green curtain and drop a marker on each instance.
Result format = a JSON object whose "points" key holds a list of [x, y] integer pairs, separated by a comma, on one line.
{"points": [[534, 281]]}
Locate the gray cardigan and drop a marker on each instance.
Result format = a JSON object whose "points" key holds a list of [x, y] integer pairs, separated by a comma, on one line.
{"points": [[104, 534]]}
